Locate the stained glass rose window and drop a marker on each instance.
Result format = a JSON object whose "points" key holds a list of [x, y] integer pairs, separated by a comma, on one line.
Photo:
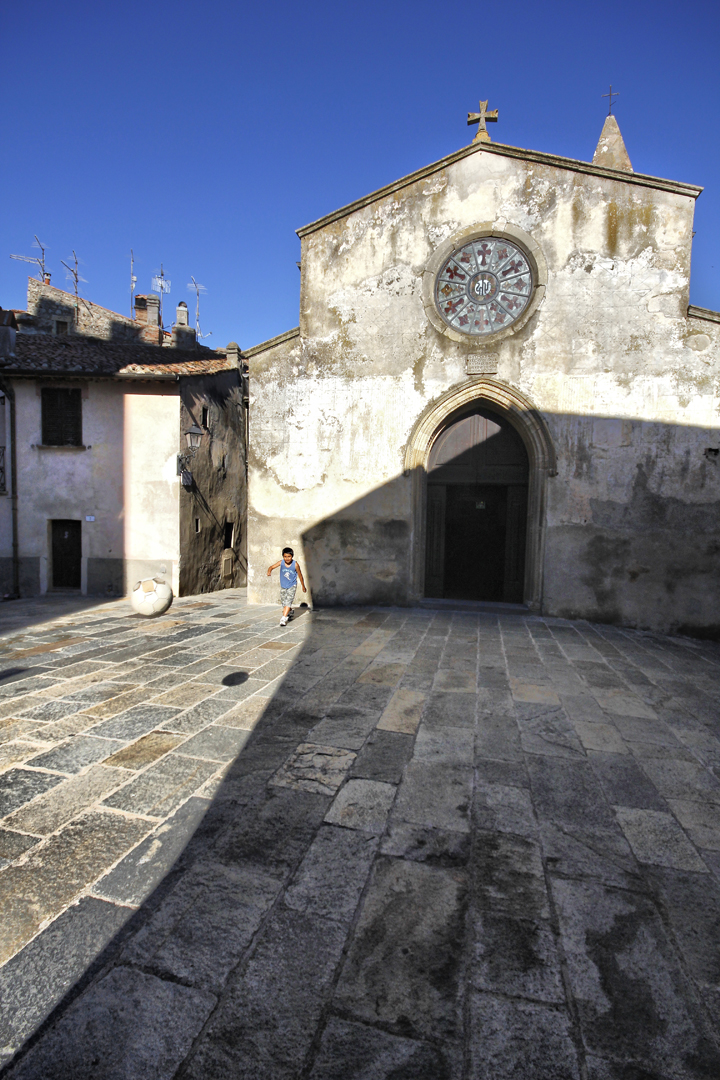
{"points": [[484, 286]]}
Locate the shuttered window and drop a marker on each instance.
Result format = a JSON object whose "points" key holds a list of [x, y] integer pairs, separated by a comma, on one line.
{"points": [[61, 417]]}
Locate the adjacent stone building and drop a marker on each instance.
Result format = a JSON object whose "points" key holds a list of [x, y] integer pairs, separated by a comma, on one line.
{"points": [[497, 391], [94, 494], [61, 314]]}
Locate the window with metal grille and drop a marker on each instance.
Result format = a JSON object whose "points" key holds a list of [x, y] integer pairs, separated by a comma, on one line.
{"points": [[61, 417]]}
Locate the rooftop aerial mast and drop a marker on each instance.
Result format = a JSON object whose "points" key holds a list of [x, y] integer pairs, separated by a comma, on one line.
{"points": [[44, 274], [73, 275], [161, 284], [133, 283], [198, 289]]}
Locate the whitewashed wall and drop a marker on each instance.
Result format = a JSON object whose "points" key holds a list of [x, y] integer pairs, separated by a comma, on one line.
{"points": [[626, 381]]}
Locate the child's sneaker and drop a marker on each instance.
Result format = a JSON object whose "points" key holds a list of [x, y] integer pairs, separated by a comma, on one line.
{"points": [[283, 621]]}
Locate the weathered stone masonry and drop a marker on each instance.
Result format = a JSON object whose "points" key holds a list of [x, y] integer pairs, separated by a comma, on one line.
{"points": [[621, 372]]}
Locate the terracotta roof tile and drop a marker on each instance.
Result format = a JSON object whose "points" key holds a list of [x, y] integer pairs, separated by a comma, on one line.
{"points": [[44, 354]]}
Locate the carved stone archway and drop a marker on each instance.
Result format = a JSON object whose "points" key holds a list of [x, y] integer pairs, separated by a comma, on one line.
{"points": [[532, 429]]}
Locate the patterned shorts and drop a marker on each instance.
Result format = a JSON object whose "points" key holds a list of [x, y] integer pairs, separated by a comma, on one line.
{"points": [[287, 596]]}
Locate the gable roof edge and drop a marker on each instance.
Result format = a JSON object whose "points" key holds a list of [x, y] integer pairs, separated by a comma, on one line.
{"points": [[673, 186], [695, 312], [271, 342]]}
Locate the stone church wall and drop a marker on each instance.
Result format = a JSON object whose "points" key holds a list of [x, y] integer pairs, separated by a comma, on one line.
{"points": [[625, 380]]}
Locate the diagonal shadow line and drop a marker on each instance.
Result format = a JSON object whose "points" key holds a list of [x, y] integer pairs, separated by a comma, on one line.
{"points": [[281, 728]]}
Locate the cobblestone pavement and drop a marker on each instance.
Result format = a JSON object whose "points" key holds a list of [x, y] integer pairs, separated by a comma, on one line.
{"points": [[372, 844]]}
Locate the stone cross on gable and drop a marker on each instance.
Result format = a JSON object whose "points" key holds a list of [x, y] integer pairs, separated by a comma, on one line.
{"points": [[480, 118]]}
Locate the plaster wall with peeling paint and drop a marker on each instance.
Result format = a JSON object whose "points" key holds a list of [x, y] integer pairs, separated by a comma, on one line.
{"points": [[120, 485], [625, 377]]}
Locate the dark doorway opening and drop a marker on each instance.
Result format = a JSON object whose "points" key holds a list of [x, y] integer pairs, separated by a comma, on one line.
{"points": [[477, 511], [66, 554]]}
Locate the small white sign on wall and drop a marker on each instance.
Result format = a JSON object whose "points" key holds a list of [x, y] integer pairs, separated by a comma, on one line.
{"points": [[89, 517], [482, 364]]}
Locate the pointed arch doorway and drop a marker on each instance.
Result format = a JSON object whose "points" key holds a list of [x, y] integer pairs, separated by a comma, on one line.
{"points": [[476, 520], [480, 457]]}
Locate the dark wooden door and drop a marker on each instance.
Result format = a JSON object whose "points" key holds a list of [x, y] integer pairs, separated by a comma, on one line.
{"points": [[435, 541], [477, 510], [66, 554], [482, 448], [516, 527], [475, 528]]}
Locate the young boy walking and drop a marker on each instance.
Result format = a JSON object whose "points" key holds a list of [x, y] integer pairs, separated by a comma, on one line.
{"points": [[289, 573]]}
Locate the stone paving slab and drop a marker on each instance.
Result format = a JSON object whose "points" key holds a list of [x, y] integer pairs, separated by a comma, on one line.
{"points": [[370, 844]]}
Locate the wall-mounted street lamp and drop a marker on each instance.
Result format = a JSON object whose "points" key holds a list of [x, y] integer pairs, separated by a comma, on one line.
{"points": [[193, 437]]}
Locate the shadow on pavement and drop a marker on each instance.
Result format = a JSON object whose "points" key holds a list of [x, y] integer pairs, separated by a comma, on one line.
{"points": [[452, 845], [19, 615]]}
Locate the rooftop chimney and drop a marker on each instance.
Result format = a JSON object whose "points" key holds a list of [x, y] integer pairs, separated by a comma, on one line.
{"points": [[152, 302], [147, 313], [233, 354], [141, 309], [183, 336]]}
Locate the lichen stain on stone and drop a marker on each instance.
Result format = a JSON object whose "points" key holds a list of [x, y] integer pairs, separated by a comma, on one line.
{"points": [[578, 212], [634, 572], [605, 560], [629, 223], [611, 225], [648, 511], [632, 1024], [689, 385], [582, 459], [505, 868], [636, 343], [418, 369]]}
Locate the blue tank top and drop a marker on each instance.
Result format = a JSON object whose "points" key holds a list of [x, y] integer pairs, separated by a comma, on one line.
{"points": [[288, 574]]}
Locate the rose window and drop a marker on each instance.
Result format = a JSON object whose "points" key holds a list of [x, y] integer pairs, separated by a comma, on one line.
{"points": [[484, 286]]}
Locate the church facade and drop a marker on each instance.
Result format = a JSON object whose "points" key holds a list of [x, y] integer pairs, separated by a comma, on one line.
{"points": [[497, 391]]}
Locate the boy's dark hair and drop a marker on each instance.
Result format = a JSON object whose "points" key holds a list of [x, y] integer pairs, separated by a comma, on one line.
{"points": [[288, 551]]}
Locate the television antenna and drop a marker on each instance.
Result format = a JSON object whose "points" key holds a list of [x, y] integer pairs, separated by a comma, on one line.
{"points": [[133, 283], [198, 289], [33, 259], [73, 275], [161, 284]]}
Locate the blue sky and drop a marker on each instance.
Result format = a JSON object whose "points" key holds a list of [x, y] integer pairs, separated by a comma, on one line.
{"points": [[202, 135]]}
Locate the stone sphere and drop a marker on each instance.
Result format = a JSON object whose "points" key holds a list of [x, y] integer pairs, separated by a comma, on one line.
{"points": [[151, 597]]}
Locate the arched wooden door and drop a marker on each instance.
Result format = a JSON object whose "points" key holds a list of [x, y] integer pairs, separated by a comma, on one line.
{"points": [[477, 486]]}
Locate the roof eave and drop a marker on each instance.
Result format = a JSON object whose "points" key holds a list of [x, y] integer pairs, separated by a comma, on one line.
{"points": [[18, 373], [146, 376]]}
